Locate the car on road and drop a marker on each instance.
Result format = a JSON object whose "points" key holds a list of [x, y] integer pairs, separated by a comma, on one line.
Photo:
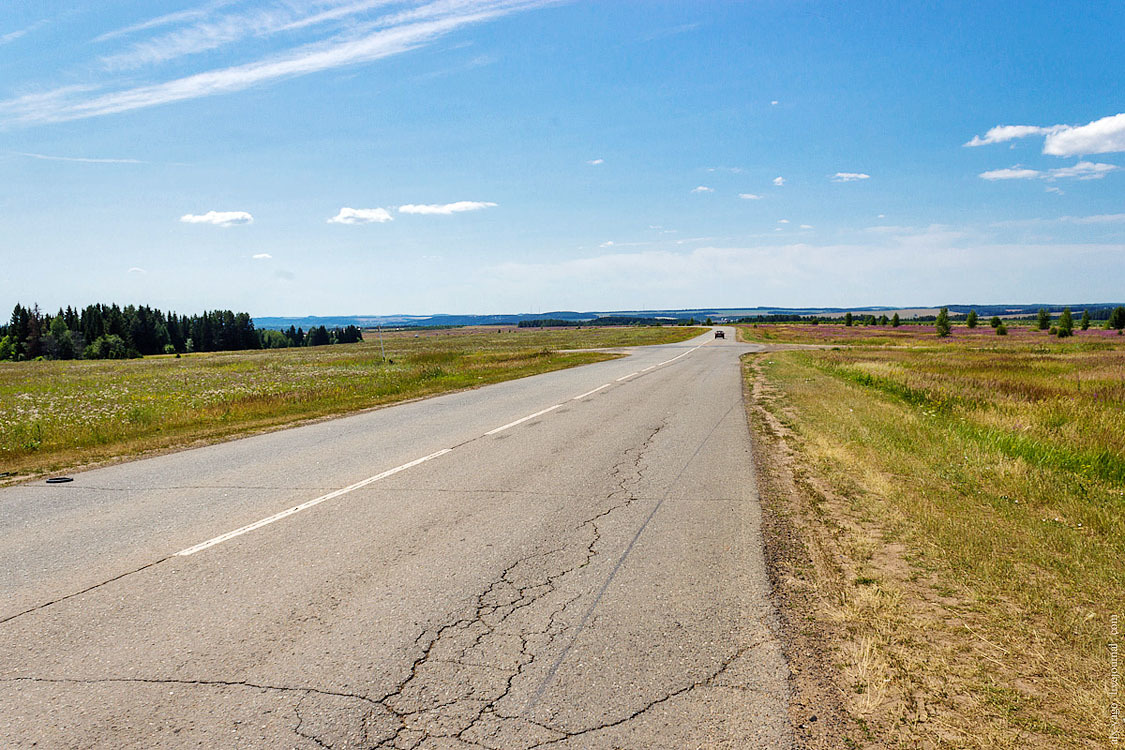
{"points": [[720, 335]]}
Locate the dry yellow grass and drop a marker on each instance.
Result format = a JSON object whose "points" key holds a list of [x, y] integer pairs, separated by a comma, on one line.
{"points": [[971, 502]]}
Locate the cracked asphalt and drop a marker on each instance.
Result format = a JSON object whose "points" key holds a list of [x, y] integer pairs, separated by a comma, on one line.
{"points": [[589, 578]]}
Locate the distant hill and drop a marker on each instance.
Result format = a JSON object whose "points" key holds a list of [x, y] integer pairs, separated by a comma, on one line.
{"points": [[370, 321], [718, 314]]}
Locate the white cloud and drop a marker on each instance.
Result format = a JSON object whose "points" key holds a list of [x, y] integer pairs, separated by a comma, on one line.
{"points": [[1095, 219], [806, 226], [849, 176], [444, 209], [361, 216], [1083, 170], [1011, 173], [607, 243], [774, 102], [779, 181], [783, 221], [749, 197], [702, 189], [805, 273], [261, 256], [1103, 136], [219, 218], [390, 36], [596, 162], [137, 269], [1003, 133], [1055, 190]]}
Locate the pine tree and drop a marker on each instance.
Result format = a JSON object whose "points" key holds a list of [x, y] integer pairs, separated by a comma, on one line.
{"points": [[1085, 324], [971, 321], [847, 319], [1043, 319], [1066, 324], [942, 324], [895, 321]]}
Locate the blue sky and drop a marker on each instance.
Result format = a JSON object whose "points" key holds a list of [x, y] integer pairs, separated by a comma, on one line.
{"points": [[374, 157]]}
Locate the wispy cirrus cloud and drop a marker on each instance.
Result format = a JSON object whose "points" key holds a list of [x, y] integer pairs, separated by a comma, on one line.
{"points": [[219, 218], [444, 209], [361, 43], [750, 196], [361, 216], [190, 14], [1102, 136], [78, 159], [211, 31]]}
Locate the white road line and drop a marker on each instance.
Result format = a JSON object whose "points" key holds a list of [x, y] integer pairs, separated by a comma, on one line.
{"points": [[351, 488], [590, 393], [521, 421], [305, 506]]}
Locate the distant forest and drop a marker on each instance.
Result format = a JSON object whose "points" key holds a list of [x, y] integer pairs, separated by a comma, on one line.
{"points": [[113, 332]]}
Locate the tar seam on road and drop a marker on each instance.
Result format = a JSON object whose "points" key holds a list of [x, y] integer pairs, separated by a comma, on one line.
{"points": [[617, 566]]}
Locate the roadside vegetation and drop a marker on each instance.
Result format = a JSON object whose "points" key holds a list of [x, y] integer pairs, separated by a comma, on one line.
{"points": [[60, 414], [953, 514]]}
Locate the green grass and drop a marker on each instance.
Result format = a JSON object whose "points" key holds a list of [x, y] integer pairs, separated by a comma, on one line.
{"points": [[996, 478], [55, 415]]}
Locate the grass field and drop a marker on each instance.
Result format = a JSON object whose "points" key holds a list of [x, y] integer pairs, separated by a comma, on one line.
{"points": [[55, 415], [963, 507]]}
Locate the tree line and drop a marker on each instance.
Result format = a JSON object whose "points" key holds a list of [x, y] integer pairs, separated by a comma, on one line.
{"points": [[113, 332]]}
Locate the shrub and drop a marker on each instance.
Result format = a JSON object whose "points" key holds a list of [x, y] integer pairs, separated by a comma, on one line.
{"points": [[107, 347], [995, 322], [971, 320], [1001, 330]]}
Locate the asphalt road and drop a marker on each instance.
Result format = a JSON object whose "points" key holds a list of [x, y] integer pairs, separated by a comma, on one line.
{"points": [[588, 577]]}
